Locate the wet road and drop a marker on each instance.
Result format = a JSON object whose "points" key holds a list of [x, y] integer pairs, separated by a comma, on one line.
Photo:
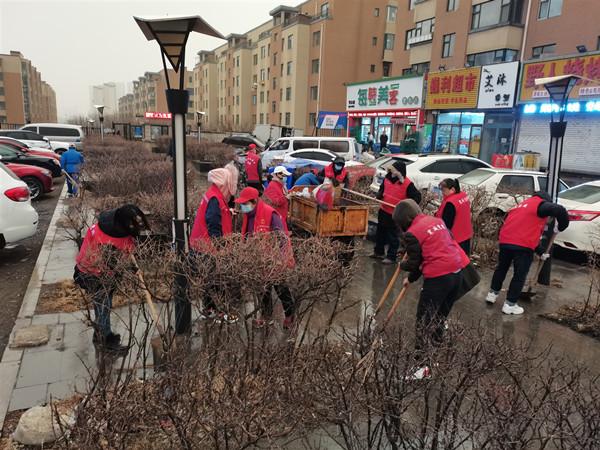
{"points": [[16, 264]]}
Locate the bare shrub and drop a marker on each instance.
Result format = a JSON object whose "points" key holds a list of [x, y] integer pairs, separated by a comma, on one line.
{"points": [[216, 153]]}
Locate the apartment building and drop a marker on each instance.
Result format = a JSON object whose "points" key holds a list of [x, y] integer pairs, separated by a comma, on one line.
{"points": [[24, 96], [106, 94]]}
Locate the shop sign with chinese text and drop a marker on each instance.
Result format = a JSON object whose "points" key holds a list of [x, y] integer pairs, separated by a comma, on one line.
{"points": [[498, 85], [453, 89], [157, 115], [585, 66], [391, 93]]}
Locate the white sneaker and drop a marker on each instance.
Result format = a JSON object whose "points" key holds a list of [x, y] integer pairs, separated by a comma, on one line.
{"points": [[491, 297], [514, 309], [420, 374]]}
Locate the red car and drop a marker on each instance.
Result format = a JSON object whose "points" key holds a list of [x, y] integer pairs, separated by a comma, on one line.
{"points": [[38, 179], [18, 145]]}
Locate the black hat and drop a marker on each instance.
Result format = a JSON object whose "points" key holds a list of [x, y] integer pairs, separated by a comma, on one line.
{"points": [[400, 166], [405, 212], [339, 160]]}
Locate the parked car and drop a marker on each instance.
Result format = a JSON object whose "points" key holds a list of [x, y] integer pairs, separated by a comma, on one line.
{"points": [[9, 154], [58, 132], [583, 204], [346, 147], [426, 170], [243, 140], [18, 219], [38, 180], [27, 137], [18, 145]]}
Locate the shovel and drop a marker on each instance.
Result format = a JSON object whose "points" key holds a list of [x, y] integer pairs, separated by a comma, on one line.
{"points": [[530, 293]]}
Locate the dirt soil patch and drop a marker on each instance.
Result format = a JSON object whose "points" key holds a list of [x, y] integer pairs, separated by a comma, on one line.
{"points": [[578, 318], [66, 296]]}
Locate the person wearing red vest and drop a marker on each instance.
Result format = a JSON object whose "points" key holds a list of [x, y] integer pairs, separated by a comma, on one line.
{"points": [[395, 188], [262, 218], [253, 169], [519, 239], [455, 211], [431, 251], [276, 194], [336, 172], [102, 255]]}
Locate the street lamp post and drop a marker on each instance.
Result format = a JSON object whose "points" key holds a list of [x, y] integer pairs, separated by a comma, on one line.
{"points": [[172, 33], [91, 123], [100, 109], [199, 115]]}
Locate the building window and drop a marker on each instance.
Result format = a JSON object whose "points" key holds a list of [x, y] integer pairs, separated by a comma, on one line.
{"points": [[494, 56], [288, 94], [255, 60], [316, 38], [290, 41], [550, 8], [372, 68], [391, 12], [376, 12], [312, 119], [237, 81], [254, 99], [262, 96], [275, 58], [314, 92], [416, 69], [315, 66], [288, 118], [387, 68], [273, 107], [263, 75], [422, 32], [262, 118], [411, 3], [263, 52], [237, 119], [274, 82], [448, 45], [237, 100], [254, 78], [452, 5], [538, 52], [324, 10], [237, 61], [388, 39], [289, 68], [598, 44], [374, 41], [496, 12]]}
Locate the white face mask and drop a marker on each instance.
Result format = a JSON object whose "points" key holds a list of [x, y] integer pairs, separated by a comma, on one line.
{"points": [[247, 207]]}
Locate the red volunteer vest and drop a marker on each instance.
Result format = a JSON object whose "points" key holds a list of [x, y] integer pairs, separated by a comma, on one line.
{"points": [[199, 239], [89, 259], [262, 224], [462, 229], [394, 193], [522, 226], [441, 254], [276, 195], [251, 166], [329, 173]]}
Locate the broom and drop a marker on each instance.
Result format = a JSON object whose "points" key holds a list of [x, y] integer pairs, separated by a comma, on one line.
{"points": [[529, 293], [368, 197]]}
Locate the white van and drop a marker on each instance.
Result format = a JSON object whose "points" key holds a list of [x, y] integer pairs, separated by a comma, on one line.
{"points": [[58, 132], [343, 146]]}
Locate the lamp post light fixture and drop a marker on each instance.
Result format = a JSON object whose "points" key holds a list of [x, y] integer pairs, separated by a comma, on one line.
{"points": [[100, 109], [172, 34], [199, 116], [91, 123]]}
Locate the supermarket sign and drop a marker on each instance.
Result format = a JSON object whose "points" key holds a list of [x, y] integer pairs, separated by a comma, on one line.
{"points": [[584, 66], [157, 115], [387, 94], [453, 89]]}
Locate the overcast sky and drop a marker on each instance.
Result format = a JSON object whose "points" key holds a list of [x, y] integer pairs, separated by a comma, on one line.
{"points": [[79, 43]]}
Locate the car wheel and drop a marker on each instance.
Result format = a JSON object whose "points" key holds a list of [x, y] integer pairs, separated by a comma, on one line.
{"points": [[36, 188]]}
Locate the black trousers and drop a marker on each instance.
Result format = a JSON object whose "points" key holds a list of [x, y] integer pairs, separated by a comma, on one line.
{"points": [[466, 246], [387, 234], [287, 301], [435, 303], [521, 259], [101, 291]]}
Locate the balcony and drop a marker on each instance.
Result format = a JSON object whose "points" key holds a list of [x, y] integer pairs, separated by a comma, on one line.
{"points": [[421, 39]]}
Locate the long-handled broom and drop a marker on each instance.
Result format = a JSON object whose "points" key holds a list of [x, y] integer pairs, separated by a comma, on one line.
{"points": [[529, 293]]}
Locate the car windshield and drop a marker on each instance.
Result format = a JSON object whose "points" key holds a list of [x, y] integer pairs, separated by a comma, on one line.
{"points": [[586, 193], [280, 145], [476, 177]]}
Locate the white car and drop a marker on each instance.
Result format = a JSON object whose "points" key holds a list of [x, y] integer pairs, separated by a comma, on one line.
{"points": [[426, 170], [323, 157], [47, 151], [58, 132], [504, 188], [583, 204], [35, 141], [342, 146], [18, 219]]}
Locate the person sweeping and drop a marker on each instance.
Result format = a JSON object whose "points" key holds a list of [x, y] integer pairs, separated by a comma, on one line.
{"points": [[455, 211], [432, 252]]}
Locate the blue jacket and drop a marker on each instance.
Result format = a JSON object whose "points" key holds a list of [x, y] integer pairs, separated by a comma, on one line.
{"points": [[71, 161], [308, 179]]}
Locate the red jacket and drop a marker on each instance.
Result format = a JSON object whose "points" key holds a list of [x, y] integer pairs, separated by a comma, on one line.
{"points": [[251, 166], [199, 239], [275, 194], [462, 229], [440, 253], [89, 259], [394, 193], [523, 227], [330, 173]]}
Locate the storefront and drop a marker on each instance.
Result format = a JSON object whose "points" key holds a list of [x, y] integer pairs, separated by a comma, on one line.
{"points": [[473, 109], [392, 106], [581, 153]]}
